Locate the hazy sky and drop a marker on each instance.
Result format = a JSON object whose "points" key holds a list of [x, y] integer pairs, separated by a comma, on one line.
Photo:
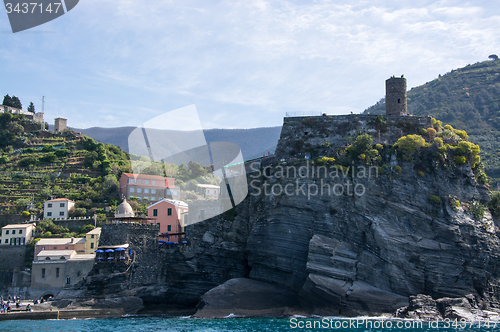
{"points": [[243, 64]]}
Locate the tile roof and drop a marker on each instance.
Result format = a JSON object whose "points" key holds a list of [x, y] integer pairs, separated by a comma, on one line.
{"points": [[171, 201], [144, 176], [55, 253], [59, 241], [17, 226], [59, 199]]}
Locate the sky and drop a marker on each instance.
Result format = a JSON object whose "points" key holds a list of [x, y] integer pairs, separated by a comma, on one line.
{"points": [[242, 64]]}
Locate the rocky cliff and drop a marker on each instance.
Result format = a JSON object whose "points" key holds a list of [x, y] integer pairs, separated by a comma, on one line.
{"points": [[366, 250]]}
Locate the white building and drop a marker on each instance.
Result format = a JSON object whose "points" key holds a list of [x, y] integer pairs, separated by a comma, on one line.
{"points": [[57, 208], [209, 190], [17, 234], [37, 117]]}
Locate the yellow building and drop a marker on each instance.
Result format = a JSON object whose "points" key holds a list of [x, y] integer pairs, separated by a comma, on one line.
{"points": [[92, 240]]}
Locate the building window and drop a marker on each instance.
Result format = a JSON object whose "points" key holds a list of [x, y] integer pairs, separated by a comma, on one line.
{"points": [[91, 236], [153, 183], [20, 231], [146, 198], [146, 191], [66, 247], [155, 213], [146, 181], [57, 272], [24, 241], [55, 248], [91, 245], [399, 101], [169, 212], [68, 280], [132, 190], [139, 181], [153, 191], [169, 228], [0, 241], [7, 232], [49, 205], [43, 273], [139, 190], [49, 214], [131, 181], [202, 215], [61, 204], [61, 213], [13, 231]]}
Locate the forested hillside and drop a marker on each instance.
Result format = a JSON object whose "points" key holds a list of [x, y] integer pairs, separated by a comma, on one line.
{"points": [[467, 98]]}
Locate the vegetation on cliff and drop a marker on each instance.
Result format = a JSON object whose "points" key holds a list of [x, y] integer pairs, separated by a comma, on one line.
{"points": [[468, 99]]}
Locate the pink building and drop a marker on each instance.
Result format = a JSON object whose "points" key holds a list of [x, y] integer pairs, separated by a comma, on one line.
{"points": [[169, 214], [148, 188], [77, 244]]}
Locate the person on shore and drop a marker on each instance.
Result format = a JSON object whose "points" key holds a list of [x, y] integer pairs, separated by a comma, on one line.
{"points": [[8, 306], [28, 307]]}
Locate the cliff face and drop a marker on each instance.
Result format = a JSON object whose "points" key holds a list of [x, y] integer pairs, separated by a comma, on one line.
{"points": [[337, 251], [363, 244]]}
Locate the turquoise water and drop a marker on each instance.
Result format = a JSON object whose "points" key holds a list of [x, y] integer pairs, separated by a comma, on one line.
{"points": [[139, 324]]}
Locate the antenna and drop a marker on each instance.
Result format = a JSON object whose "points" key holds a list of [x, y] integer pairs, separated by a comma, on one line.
{"points": [[43, 113]]}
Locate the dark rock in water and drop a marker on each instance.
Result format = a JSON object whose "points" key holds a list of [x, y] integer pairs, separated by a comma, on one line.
{"points": [[420, 307], [246, 297]]}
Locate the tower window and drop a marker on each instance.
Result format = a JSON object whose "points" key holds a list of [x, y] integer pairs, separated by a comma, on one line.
{"points": [[399, 101]]}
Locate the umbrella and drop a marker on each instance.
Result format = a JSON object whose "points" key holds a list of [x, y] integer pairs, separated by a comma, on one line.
{"points": [[110, 258], [161, 241], [120, 249], [122, 257], [99, 251], [110, 250]]}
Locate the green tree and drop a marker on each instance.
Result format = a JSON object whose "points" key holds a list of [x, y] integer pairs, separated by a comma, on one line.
{"points": [[31, 107], [408, 144], [16, 102], [493, 57], [7, 100]]}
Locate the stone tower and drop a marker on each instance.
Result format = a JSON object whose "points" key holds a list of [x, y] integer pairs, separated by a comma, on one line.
{"points": [[59, 125], [395, 96]]}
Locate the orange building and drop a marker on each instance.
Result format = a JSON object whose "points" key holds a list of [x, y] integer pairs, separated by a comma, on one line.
{"points": [[169, 214], [148, 188]]}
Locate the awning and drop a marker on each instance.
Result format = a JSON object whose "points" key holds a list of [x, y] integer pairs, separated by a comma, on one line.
{"points": [[99, 251], [110, 250], [120, 249]]}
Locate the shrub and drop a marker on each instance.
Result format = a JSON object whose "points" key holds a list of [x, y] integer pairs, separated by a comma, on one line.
{"points": [[436, 200], [494, 204], [476, 209], [408, 144], [448, 127], [326, 160], [27, 161], [25, 214], [462, 134], [379, 146], [438, 141], [422, 131], [459, 160], [62, 152], [421, 174], [48, 158], [4, 160], [398, 169]]}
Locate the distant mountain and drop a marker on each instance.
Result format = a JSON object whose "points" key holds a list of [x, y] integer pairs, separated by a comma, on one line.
{"points": [[467, 98], [253, 142]]}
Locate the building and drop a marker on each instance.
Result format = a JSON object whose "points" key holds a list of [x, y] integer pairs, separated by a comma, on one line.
{"points": [[57, 208], [168, 214], [209, 190], [17, 234], [92, 240], [148, 188], [52, 270], [50, 244], [37, 117], [60, 125], [395, 96]]}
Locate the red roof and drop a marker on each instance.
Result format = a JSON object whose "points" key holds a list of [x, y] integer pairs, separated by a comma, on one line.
{"points": [[60, 199]]}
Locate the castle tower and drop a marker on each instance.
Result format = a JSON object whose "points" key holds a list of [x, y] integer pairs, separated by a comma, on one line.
{"points": [[395, 96], [59, 125]]}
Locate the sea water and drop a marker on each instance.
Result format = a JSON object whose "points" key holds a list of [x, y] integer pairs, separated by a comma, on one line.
{"points": [[159, 323]]}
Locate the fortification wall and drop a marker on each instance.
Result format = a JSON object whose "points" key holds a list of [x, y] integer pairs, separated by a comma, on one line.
{"points": [[302, 136]]}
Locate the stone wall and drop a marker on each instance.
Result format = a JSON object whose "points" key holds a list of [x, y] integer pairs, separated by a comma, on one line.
{"points": [[12, 257], [302, 136]]}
